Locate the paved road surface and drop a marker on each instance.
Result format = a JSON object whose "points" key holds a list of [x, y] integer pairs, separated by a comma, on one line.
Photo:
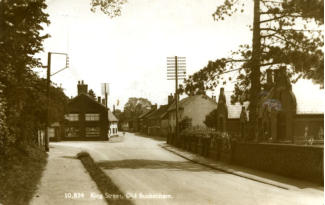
{"points": [[139, 166]]}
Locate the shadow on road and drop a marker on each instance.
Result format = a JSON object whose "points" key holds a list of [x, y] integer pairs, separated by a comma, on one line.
{"points": [[153, 164], [158, 138]]}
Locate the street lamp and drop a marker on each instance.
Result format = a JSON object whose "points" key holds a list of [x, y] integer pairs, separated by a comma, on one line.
{"points": [[48, 82]]}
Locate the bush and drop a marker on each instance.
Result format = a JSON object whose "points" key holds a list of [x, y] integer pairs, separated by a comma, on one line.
{"points": [[202, 138], [199, 132]]}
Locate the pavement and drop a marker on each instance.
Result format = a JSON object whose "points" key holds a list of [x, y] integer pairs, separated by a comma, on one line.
{"points": [[65, 180], [252, 174], [151, 172]]}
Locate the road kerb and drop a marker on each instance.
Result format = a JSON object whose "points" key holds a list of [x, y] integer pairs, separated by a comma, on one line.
{"points": [[214, 165]]}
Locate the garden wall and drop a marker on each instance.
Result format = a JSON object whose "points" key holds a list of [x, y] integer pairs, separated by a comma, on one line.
{"points": [[298, 161]]}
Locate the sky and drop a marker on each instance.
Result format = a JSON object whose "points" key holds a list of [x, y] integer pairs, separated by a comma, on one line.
{"points": [[129, 52]]}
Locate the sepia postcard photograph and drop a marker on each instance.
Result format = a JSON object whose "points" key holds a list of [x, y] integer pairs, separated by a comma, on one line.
{"points": [[158, 102]]}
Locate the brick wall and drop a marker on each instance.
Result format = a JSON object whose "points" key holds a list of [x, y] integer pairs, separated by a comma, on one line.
{"points": [[314, 123], [297, 161]]}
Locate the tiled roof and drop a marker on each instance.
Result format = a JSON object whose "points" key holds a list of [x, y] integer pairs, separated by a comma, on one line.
{"points": [[111, 117], [310, 102], [157, 114], [186, 100], [88, 97], [143, 115]]}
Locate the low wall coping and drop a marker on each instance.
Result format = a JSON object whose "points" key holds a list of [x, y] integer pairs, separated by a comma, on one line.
{"points": [[283, 145]]}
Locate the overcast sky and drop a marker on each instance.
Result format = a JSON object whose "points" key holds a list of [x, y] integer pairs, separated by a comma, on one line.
{"points": [[130, 51]]}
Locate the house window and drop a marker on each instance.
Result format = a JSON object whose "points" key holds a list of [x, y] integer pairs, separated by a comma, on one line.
{"points": [[72, 117], [92, 131], [92, 117]]}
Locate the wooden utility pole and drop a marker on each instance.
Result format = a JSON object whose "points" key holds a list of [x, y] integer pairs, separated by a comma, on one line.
{"points": [[48, 82], [255, 71], [176, 94], [176, 70]]}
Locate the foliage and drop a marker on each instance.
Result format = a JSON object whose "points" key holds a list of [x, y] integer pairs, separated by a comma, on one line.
{"points": [[120, 115], [211, 119], [289, 34], [135, 107], [185, 123], [5, 137], [92, 94], [112, 8], [23, 97], [197, 132]]}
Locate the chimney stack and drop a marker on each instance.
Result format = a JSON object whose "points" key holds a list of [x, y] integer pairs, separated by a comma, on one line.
{"points": [[154, 107], [99, 100], [82, 88], [222, 97], [170, 99]]}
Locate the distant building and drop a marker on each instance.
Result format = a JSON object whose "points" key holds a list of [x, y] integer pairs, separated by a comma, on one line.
{"points": [[143, 122], [113, 123], [86, 118], [194, 108], [124, 125], [158, 120]]}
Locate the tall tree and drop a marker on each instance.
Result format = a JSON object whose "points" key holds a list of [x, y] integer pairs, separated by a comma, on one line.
{"points": [[135, 107], [211, 119], [285, 34], [20, 39]]}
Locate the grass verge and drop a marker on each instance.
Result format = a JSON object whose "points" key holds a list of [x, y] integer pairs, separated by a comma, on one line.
{"points": [[20, 172], [103, 182]]}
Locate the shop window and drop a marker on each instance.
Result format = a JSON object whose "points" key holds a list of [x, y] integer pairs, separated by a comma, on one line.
{"points": [[71, 132], [92, 131]]}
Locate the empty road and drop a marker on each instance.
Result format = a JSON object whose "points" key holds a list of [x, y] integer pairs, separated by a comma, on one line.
{"points": [[142, 169]]}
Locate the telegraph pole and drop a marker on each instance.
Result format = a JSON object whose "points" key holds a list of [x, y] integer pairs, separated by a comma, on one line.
{"points": [[105, 92], [176, 93], [48, 83], [176, 70]]}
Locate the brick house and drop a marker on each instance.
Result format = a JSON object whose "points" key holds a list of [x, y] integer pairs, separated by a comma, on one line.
{"points": [[86, 118]]}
